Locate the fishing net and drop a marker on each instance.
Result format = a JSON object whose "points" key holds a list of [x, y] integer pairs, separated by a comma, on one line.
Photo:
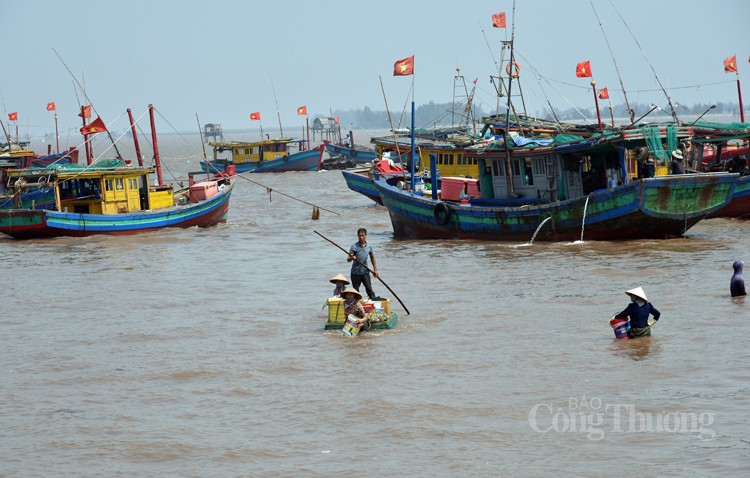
{"points": [[652, 136]]}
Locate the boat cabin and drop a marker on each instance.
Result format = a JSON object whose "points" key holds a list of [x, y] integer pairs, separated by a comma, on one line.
{"points": [[109, 188], [254, 151], [451, 158]]}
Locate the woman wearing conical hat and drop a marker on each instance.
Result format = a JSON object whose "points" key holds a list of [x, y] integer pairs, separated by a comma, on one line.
{"points": [[639, 311], [340, 281]]}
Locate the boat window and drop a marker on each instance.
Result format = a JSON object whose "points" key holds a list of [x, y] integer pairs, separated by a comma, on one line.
{"points": [[528, 173], [109, 185], [119, 184], [450, 159], [540, 166], [247, 151], [516, 168], [440, 158]]}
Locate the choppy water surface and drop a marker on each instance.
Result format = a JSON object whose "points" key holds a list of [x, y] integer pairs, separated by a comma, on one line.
{"points": [[202, 352]]}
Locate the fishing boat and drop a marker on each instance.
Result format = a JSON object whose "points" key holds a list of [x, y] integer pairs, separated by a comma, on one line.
{"points": [[111, 197], [561, 189], [359, 179], [379, 313], [25, 158], [344, 152], [264, 156]]}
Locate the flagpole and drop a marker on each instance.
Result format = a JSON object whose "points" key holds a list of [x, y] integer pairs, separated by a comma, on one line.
{"points": [[413, 159], [86, 138], [57, 135], [739, 94], [596, 100]]}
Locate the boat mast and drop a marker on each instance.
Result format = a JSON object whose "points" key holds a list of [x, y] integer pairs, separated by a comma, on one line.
{"points": [[508, 168], [631, 113], [669, 99], [135, 138], [157, 160], [278, 113]]}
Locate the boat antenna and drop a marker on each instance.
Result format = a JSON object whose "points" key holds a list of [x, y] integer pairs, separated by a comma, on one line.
{"points": [[669, 100], [631, 113], [278, 113], [88, 100]]}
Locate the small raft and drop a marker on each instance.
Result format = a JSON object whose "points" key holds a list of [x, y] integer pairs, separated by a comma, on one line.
{"points": [[378, 311]]}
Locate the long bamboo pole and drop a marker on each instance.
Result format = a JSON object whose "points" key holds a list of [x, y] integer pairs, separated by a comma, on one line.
{"points": [[370, 270]]}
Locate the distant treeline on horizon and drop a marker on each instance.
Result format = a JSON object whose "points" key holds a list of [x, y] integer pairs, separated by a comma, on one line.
{"points": [[441, 114]]}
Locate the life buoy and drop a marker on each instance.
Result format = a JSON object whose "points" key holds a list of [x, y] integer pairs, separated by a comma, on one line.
{"points": [[508, 70], [442, 213]]}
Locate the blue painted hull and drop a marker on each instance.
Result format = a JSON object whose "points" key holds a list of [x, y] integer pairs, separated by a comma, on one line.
{"points": [[646, 209], [26, 223], [299, 161], [351, 154]]}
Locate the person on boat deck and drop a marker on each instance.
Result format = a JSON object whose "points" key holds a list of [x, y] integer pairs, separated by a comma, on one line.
{"points": [[340, 282], [361, 251], [676, 166], [638, 311], [645, 164], [353, 306], [737, 284]]}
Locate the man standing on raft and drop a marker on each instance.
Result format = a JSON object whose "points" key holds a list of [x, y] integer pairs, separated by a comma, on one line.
{"points": [[638, 311]]}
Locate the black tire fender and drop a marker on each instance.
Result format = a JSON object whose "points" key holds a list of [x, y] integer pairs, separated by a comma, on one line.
{"points": [[442, 213]]}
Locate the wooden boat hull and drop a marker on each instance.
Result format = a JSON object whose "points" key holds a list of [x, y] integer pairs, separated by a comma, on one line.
{"points": [[352, 154], [29, 224], [654, 208], [739, 206], [359, 182], [300, 161]]}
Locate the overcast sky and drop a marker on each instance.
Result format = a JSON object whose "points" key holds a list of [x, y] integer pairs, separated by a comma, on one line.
{"points": [[223, 59]]}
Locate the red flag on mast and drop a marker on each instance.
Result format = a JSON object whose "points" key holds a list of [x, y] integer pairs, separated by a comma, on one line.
{"points": [[604, 94], [13, 116], [51, 106], [302, 110], [583, 69], [255, 116], [730, 64], [96, 126], [85, 111], [498, 20], [404, 67]]}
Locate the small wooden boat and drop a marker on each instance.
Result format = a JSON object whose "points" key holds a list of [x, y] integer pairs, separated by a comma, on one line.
{"points": [[379, 313], [264, 156]]}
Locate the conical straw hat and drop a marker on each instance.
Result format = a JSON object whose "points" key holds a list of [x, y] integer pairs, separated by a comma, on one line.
{"points": [[339, 277], [637, 292], [351, 290]]}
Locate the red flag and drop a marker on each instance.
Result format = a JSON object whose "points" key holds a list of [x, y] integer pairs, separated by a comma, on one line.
{"points": [[96, 126], [13, 116], [338, 121], [85, 111], [604, 94], [730, 64], [498, 20], [302, 110], [51, 106], [255, 116], [404, 67], [583, 69]]}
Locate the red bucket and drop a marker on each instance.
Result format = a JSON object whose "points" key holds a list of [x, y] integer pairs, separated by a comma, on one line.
{"points": [[621, 326]]}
